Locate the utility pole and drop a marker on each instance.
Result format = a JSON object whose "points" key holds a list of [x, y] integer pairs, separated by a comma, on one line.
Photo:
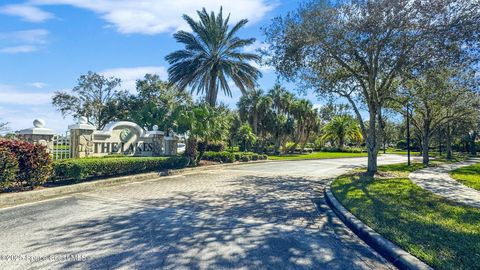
{"points": [[408, 134]]}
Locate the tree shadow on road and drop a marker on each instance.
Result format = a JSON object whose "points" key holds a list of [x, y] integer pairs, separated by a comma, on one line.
{"points": [[263, 223]]}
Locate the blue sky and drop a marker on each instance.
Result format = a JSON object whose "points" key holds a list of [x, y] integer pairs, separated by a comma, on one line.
{"points": [[45, 45]]}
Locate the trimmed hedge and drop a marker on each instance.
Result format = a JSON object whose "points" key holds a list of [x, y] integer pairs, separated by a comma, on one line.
{"points": [[341, 150], [80, 169], [224, 157], [228, 157], [34, 163]]}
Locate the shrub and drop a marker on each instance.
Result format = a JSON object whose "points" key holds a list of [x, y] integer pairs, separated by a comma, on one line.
{"points": [[80, 169], [34, 162], [227, 157], [344, 150], [216, 147], [8, 168], [245, 158], [224, 157]]}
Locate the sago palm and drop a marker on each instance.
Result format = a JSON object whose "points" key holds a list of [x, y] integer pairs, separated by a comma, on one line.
{"points": [[212, 55]]}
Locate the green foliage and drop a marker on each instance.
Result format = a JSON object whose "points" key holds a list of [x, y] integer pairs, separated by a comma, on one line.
{"points": [[444, 234], [224, 157], [245, 158], [34, 162], [246, 137], [229, 157], [342, 150], [81, 169], [8, 168], [157, 103], [361, 50], [204, 123], [95, 97], [212, 54], [340, 129], [216, 147]]}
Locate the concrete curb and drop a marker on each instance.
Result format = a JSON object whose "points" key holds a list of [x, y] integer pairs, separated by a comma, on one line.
{"points": [[8, 200], [396, 255]]}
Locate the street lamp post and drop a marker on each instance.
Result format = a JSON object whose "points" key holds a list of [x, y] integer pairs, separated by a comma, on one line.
{"points": [[408, 134]]}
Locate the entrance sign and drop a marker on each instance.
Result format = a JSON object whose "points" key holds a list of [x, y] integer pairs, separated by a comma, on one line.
{"points": [[120, 137]]}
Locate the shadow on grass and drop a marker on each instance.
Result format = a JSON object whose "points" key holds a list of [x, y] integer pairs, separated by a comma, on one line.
{"points": [[444, 234]]}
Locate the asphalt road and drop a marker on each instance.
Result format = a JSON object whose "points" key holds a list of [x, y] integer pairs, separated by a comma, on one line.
{"points": [[256, 216]]}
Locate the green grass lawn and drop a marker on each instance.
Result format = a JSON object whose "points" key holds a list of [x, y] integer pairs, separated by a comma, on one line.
{"points": [[469, 176], [316, 155], [444, 234], [398, 152]]}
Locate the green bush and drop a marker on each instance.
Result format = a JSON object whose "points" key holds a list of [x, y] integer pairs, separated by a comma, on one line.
{"points": [[34, 162], [342, 150], [216, 147], [80, 169], [224, 157], [228, 157], [8, 168]]}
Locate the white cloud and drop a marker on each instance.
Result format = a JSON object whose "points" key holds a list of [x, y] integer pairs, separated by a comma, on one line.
{"points": [[23, 41], [255, 47], [32, 36], [129, 75], [10, 95], [38, 85], [159, 16], [26, 12], [22, 118], [19, 49]]}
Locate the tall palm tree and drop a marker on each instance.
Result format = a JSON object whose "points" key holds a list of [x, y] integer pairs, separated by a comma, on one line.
{"points": [[342, 128], [212, 54], [306, 122]]}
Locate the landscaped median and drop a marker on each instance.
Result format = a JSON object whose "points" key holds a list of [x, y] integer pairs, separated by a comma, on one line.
{"points": [[444, 234]]}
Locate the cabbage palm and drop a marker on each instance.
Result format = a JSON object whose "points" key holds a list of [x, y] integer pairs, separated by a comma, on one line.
{"points": [[342, 128], [212, 54]]}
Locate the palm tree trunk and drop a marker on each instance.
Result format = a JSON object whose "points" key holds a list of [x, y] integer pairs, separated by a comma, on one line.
{"points": [[191, 151], [203, 148], [212, 93]]}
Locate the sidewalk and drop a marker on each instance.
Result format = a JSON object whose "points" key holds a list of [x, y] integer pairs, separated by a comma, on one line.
{"points": [[438, 181]]}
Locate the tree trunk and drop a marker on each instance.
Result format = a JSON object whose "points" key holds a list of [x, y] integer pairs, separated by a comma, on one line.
{"points": [[449, 143], [372, 145], [203, 148], [425, 143], [255, 123], [473, 146], [191, 151], [341, 142]]}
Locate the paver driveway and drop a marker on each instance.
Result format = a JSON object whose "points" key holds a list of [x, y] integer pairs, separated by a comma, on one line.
{"points": [[258, 216]]}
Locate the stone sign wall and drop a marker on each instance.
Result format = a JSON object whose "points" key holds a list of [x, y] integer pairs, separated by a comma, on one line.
{"points": [[121, 137]]}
